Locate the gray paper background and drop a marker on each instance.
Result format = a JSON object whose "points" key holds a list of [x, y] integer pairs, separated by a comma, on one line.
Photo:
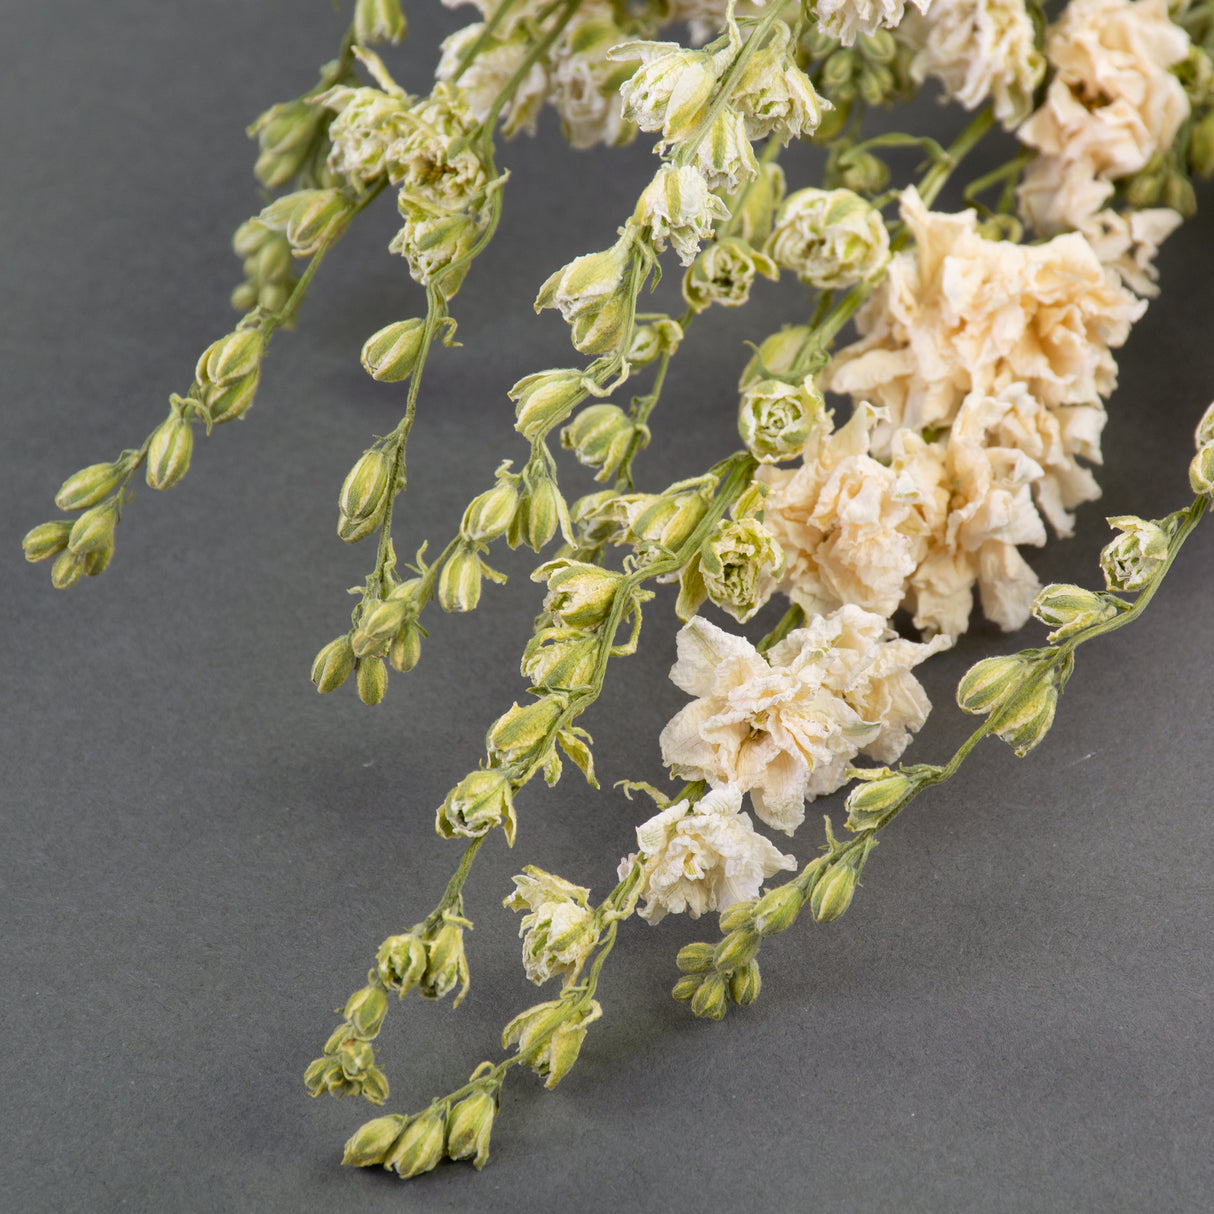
{"points": [[199, 854]]}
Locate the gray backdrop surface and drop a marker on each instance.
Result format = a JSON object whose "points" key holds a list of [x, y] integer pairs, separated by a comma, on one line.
{"points": [[200, 855]]}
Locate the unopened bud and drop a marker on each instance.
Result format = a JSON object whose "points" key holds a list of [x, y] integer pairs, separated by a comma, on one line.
{"points": [[736, 950], [579, 594], [987, 683], [366, 1009], [230, 358], [745, 984], [309, 218], [420, 1145], [739, 915], [600, 436], [520, 728], [695, 958], [365, 489], [391, 354], [379, 624], [709, 1001], [459, 584], [868, 803], [66, 570], [1022, 726], [777, 909], [446, 964], [1201, 471], [565, 664], [88, 486], [372, 1141], [545, 399], [228, 402], [372, 677], [169, 452], [832, 893], [686, 987], [98, 561], [490, 514], [401, 963], [541, 512], [406, 648], [468, 1127], [1069, 609], [92, 530], [333, 664], [601, 330], [378, 21], [46, 540]]}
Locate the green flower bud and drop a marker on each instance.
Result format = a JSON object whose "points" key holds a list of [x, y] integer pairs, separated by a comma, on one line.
{"points": [[829, 238], [587, 282], [490, 514], [758, 210], [695, 958], [686, 987], [517, 730], [1201, 471], [230, 358], [663, 336], [478, 803], [739, 915], [401, 962], [744, 984], [98, 560], [469, 1126], [365, 489], [92, 530], [600, 436], [250, 238], [379, 625], [601, 330], [832, 893], [333, 664], [354, 1055], [709, 1000], [863, 173], [227, 402], [988, 683], [776, 355], [579, 594], [736, 950], [378, 21], [406, 648], [273, 296], [541, 512], [777, 909], [372, 1141], [46, 540], [1178, 193], [1069, 609], [434, 246], [391, 354], [724, 274], [1023, 726], [670, 520], [285, 133], [459, 584], [567, 664], [868, 803], [420, 1145], [1131, 560], [169, 452], [66, 570], [446, 964], [372, 677], [545, 399], [366, 1009], [309, 218], [374, 1086], [352, 530], [324, 1075], [776, 419], [88, 486], [550, 1035]]}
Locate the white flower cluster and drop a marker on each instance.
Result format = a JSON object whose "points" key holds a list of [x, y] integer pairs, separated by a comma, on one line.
{"points": [[845, 20]]}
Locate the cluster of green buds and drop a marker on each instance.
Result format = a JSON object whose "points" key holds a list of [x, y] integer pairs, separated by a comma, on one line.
{"points": [[309, 219], [881, 793], [227, 375], [346, 1066], [601, 436], [548, 1037], [291, 137], [1164, 181], [594, 295], [1201, 469], [268, 280], [874, 71], [1070, 609], [455, 1127], [1018, 693]]}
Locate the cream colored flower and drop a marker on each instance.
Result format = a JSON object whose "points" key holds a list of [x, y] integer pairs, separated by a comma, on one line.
{"points": [[702, 858], [1112, 105], [369, 121], [978, 49], [678, 207], [785, 725], [959, 313], [1128, 243], [853, 530], [843, 20], [774, 96]]}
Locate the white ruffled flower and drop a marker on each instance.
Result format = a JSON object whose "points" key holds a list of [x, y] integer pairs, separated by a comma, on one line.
{"points": [[828, 238], [959, 313], [670, 89], [367, 125], [702, 858], [678, 207], [1128, 243], [774, 96], [843, 20], [854, 530], [978, 49], [558, 933], [1112, 105], [786, 725]]}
